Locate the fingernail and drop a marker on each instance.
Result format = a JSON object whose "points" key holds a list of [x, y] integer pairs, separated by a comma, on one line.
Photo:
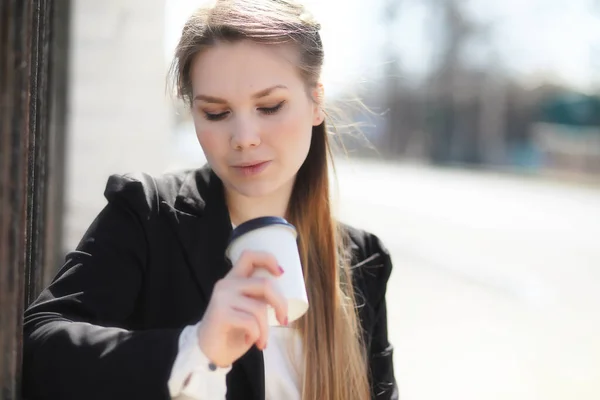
{"points": [[281, 271], [285, 321]]}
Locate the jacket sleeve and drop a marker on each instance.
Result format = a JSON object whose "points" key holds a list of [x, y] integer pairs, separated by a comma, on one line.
{"points": [[383, 386], [74, 343]]}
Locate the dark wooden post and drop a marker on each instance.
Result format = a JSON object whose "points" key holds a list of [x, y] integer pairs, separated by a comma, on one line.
{"points": [[57, 135], [26, 47]]}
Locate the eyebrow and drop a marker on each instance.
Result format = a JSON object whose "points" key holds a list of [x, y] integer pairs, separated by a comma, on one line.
{"points": [[257, 95]]}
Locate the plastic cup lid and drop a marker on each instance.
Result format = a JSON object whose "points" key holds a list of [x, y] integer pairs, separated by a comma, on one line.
{"points": [[258, 223]]}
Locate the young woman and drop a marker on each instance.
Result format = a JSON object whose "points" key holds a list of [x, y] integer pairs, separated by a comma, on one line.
{"points": [[147, 307]]}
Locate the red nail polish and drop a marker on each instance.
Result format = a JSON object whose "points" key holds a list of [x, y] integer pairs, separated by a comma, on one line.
{"points": [[281, 271]]}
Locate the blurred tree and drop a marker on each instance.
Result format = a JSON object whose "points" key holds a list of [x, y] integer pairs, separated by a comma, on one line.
{"points": [[392, 140], [450, 136]]}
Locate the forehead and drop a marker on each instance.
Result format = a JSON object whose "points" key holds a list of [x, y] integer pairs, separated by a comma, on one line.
{"points": [[240, 69]]}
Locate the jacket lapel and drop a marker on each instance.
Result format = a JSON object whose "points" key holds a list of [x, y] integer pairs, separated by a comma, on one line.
{"points": [[203, 226]]}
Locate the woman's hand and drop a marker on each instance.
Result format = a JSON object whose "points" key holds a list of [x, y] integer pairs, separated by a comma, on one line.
{"points": [[236, 316]]}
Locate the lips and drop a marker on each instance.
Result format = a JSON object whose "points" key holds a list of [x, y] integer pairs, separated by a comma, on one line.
{"points": [[253, 168], [249, 164]]}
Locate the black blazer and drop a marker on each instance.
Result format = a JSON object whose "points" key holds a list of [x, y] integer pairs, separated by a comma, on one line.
{"points": [[108, 325]]}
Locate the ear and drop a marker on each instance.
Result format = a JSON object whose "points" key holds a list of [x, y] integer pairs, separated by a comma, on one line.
{"points": [[318, 94]]}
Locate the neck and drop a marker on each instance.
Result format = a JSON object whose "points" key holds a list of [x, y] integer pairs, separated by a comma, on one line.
{"points": [[243, 208]]}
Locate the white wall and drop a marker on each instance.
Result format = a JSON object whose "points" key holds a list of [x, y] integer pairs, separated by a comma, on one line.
{"points": [[119, 118]]}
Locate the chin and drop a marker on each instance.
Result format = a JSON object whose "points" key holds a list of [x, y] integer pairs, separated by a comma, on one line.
{"points": [[256, 188]]}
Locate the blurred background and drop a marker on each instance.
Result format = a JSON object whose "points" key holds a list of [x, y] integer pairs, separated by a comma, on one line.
{"points": [[477, 163]]}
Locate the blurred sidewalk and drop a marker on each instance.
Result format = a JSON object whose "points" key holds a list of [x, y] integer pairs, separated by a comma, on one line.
{"points": [[496, 284]]}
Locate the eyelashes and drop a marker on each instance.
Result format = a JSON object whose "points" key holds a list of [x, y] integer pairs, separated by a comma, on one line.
{"points": [[215, 117], [264, 110], [271, 110]]}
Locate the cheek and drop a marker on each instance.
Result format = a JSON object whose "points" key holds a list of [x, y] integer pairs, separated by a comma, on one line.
{"points": [[205, 138], [210, 141], [299, 132]]}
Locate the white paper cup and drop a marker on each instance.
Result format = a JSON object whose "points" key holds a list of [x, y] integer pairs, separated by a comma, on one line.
{"points": [[276, 236]]}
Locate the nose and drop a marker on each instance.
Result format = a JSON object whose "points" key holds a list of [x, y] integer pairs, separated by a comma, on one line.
{"points": [[245, 134]]}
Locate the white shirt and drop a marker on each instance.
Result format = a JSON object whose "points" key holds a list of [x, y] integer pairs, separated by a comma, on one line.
{"points": [[283, 366]]}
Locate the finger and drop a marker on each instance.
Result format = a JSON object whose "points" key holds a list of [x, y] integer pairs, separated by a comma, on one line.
{"points": [[258, 309], [251, 260], [263, 289], [246, 322]]}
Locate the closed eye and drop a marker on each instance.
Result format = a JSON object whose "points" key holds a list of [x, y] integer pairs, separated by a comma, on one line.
{"points": [[264, 110], [215, 117], [272, 110]]}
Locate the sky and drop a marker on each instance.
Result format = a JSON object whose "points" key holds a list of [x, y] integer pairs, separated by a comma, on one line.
{"points": [[532, 38]]}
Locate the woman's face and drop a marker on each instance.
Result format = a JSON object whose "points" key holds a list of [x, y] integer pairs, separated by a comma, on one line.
{"points": [[253, 115]]}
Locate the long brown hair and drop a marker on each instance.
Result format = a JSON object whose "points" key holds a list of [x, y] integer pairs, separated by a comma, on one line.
{"points": [[335, 365]]}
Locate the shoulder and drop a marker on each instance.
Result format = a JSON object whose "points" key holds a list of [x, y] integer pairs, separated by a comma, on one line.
{"points": [[365, 246], [143, 193], [371, 261]]}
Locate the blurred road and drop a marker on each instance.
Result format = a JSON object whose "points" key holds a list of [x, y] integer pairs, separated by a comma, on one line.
{"points": [[496, 287]]}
